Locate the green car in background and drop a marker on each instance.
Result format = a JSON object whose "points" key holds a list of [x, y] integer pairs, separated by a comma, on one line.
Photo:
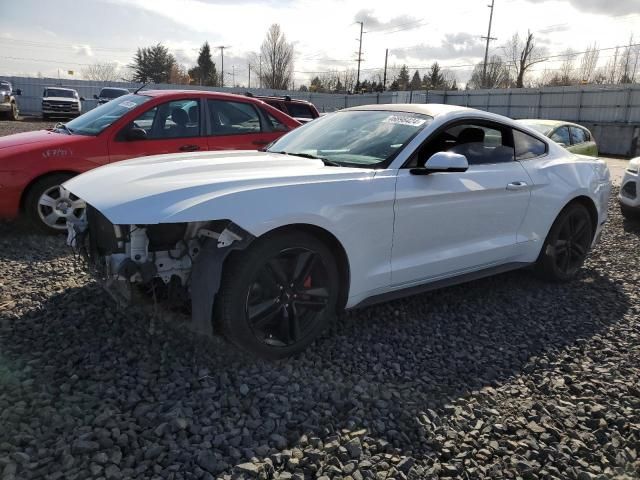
{"points": [[574, 138]]}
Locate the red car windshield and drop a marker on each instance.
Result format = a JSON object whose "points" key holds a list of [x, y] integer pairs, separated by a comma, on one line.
{"points": [[95, 121]]}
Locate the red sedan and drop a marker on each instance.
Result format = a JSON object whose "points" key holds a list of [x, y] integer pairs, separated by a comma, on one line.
{"points": [[34, 165]]}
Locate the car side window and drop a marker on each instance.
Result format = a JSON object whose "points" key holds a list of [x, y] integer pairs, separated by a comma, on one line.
{"points": [[561, 135], [175, 119], [527, 146], [276, 125], [232, 118], [299, 110], [577, 135]]}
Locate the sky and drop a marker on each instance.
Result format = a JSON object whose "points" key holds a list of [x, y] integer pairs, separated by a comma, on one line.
{"points": [[44, 37]]}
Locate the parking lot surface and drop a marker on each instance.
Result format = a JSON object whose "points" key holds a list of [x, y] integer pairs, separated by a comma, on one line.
{"points": [[505, 377]]}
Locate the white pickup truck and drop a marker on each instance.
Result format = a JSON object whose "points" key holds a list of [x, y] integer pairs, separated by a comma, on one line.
{"points": [[61, 102]]}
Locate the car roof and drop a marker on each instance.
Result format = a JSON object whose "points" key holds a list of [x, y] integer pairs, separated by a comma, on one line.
{"points": [[61, 88], [180, 93], [549, 123], [115, 88], [282, 99], [431, 109]]}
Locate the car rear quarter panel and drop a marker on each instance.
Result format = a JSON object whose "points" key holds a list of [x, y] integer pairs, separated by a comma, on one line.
{"points": [[559, 178]]}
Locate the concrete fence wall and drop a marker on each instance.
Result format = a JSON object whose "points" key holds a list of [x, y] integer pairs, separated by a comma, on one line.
{"points": [[612, 113]]}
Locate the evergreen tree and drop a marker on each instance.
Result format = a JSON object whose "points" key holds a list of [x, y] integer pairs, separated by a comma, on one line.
{"points": [[152, 64], [435, 77], [206, 69], [416, 82], [403, 78]]}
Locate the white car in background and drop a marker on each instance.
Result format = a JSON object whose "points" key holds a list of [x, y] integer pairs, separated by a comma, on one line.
{"points": [[61, 102], [629, 189], [357, 207]]}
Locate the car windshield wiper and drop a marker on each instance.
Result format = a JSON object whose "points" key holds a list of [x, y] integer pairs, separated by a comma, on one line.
{"points": [[326, 161], [62, 126]]}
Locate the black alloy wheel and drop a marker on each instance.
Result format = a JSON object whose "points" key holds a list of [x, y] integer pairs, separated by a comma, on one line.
{"points": [[288, 297], [567, 244], [278, 295]]}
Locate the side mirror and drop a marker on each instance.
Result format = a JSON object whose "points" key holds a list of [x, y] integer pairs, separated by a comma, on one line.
{"points": [[443, 162], [95, 97], [82, 99], [135, 134], [18, 91]]}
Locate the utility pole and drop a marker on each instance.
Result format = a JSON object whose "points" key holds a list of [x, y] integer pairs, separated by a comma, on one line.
{"points": [[384, 77], [222, 47], [359, 56], [488, 38], [249, 82]]}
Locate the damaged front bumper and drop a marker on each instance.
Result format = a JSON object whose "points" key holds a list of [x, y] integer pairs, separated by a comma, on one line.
{"points": [[184, 260]]}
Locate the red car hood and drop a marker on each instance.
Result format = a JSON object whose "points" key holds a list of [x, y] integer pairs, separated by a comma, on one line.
{"points": [[42, 137]]}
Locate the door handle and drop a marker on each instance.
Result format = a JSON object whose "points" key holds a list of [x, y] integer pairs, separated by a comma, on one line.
{"points": [[189, 148], [517, 186]]}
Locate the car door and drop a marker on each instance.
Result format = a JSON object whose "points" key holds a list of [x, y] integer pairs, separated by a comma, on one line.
{"points": [[237, 125], [169, 127], [451, 223]]}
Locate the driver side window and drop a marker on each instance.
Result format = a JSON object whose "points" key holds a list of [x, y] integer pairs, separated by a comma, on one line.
{"points": [[176, 119], [481, 143]]}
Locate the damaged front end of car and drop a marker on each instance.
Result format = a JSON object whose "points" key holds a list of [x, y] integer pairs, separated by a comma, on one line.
{"points": [[178, 262]]}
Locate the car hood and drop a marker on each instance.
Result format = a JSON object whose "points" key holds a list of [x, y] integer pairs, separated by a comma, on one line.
{"points": [[36, 139], [162, 188], [61, 99]]}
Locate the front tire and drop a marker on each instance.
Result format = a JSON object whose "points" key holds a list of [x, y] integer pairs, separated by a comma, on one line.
{"points": [[567, 245], [48, 205], [277, 296], [13, 113]]}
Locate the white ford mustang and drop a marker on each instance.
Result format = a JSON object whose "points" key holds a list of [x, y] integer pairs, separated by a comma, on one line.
{"points": [[357, 207]]}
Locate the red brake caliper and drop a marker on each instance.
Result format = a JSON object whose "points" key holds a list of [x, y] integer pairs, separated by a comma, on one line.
{"points": [[307, 282]]}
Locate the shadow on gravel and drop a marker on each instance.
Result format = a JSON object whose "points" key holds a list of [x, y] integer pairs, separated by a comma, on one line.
{"points": [[378, 369], [18, 237], [631, 225]]}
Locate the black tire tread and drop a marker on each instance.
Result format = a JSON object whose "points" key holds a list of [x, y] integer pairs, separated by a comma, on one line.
{"points": [[234, 278]]}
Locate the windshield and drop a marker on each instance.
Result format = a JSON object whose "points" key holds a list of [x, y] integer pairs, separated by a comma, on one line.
{"points": [[356, 138], [58, 92], [5, 86], [95, 121], [543, 128], [112, 92]]}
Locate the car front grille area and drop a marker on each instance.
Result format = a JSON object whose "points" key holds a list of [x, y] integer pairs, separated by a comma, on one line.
{"points": [[629, 190], [55, 106]]}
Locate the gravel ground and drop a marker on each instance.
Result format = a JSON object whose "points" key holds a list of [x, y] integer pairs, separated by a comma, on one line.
{"points": [[505, 377], [26, 124]]}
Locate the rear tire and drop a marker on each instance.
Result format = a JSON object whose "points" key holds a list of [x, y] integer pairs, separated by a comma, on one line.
{"points": [[48, 206], [567, 245], [278, 295]]}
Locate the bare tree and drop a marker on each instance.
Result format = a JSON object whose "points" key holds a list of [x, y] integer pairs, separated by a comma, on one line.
{"points": [[566, 74], [588, 64], [178, 75], [276, 55], [101, 72], [497, 74], [522, 55], [628, 63]]}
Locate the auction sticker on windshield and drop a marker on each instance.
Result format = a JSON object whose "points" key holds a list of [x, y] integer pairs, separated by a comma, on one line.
{"points": [[127, 104], [404, 120]]}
